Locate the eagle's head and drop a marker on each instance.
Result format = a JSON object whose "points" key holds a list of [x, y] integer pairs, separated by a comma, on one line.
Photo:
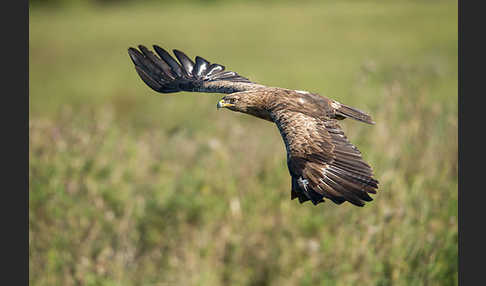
{"points": [[250, 102]]}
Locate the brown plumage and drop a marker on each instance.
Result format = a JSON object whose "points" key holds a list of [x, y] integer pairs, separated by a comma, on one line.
{"points": [[321, 160]]}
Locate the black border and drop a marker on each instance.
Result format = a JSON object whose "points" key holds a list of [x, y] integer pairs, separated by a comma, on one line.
{"points": [[15, 141], [470, 130]]}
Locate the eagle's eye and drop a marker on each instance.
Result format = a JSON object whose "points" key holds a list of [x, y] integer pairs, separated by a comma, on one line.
{"points": [[231, 100]]}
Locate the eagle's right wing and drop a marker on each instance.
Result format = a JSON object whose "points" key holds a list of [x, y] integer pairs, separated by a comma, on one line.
{"points": [[164, 74], [322, 162]]}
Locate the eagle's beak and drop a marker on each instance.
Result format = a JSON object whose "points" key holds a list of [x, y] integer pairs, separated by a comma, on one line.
{"points": [[222, 104]]}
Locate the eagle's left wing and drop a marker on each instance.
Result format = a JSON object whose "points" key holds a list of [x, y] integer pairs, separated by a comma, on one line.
{"points": [[322, 162], [166, 75]]}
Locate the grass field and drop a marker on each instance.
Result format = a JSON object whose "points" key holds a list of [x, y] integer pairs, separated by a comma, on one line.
{"points": [[131, 187]]}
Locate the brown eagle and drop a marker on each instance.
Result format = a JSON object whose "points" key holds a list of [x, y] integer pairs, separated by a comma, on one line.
{"points": [[320, 159]]}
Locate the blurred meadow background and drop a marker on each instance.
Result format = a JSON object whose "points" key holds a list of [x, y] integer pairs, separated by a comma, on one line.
{"points": [[131, 187]]}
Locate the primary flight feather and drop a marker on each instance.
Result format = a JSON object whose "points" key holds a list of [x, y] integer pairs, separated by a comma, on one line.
{"points": [[321, 160]]}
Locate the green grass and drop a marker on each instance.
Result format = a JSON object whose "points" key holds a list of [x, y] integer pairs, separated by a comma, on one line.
{"points": [[130, 187]]}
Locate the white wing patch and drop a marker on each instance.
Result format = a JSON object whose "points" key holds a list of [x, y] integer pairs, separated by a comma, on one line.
{"points": [[302, 91], [324, 169], [335, 104]]}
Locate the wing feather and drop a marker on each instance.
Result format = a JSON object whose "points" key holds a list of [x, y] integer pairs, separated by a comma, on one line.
{"points": [[322, 162], [187, 64], [164, 70], [165, 74], [201, 67], [165, 56]]}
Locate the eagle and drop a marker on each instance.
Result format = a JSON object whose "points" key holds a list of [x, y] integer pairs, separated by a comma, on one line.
{"points": [[321, 161]]}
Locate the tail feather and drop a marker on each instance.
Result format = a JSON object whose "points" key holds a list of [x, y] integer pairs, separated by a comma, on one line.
{"points": [[351, 112]]}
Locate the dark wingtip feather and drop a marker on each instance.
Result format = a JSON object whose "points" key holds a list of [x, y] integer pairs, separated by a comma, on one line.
{"points": [[148, 79], [214, 69], [165, 74], [187, 63], [134, 53], [354, 113], [167, 58], [200, 68]]}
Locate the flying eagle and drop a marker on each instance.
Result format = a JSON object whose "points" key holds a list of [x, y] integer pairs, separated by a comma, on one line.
{"points": [[321, 160]]}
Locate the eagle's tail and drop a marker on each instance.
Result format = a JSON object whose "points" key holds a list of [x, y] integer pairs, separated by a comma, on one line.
{"points": [[350, 112]]}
